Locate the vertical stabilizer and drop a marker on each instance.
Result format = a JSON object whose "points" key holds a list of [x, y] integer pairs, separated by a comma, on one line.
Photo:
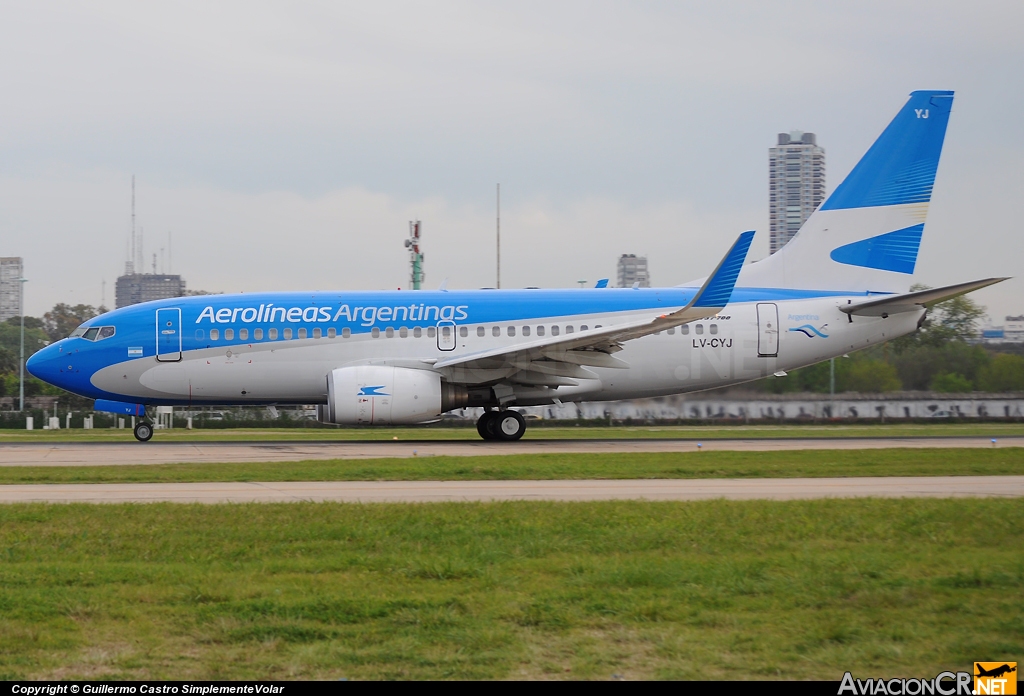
{"points": [[866, 235]]}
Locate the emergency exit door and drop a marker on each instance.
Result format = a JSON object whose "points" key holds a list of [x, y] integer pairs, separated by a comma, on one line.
{"points": [[767, 329], [168, 335], [446, 335]]}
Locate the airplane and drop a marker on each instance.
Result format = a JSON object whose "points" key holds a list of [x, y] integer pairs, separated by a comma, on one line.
{"points": [[995, 672], [407, 357]]}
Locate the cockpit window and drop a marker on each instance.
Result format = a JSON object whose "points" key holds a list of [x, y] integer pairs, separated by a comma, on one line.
{"points": [[93, 333]]}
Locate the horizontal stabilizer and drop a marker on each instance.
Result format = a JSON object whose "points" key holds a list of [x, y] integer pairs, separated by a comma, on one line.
{"points": [[911, 301]]}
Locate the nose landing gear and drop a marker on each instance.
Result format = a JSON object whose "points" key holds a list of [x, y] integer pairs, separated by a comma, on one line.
{"points": [[143, 431], [501, 425]]}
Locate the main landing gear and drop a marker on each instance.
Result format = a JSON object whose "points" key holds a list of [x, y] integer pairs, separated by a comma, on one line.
{"points": [[143, 431], [501, 425]]}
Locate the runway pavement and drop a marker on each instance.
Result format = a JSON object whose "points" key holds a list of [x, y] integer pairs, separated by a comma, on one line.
{"points": [[442, 491], [127, 453]]}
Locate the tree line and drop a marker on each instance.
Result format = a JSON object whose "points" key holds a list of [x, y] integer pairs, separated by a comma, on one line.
{"points": [[940, 356], [54, 325]]}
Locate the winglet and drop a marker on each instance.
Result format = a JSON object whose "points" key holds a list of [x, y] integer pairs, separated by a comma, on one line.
{"points": [[717, 289]]}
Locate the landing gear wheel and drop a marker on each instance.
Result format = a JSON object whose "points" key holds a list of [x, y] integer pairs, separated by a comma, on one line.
{"points": [[485, 426], [143, 431], [509, 425]]}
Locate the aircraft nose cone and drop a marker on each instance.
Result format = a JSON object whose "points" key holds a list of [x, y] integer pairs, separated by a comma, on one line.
{"points": [[45, 364]]}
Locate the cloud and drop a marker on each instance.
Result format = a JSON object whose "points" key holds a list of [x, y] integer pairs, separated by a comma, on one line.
{"points": [[347, 239], [288, 145]]}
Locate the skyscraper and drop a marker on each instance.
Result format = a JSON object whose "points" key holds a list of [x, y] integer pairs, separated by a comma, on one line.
{"points": [[144, 287], [796, 184], [10, 287], [633, 269]]}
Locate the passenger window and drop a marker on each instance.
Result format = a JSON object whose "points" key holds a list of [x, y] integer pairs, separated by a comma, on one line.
{"points": [[657, 333], [229, 334], [540, 330], [214, 334], [699, 329], [200, 334], [511, 331], [346, 332], [431, 332], [480, 331], [671, 331], [272, 333], [684, 329], [403, 332], [389, 332], [105, 332], [495, 330], [287, 334], [568, 329], [243, 334], [554, 330], [317, 332], [583, 327], [446, 331], [714, 328], [375, 332], [302, 332], [257, 334], [90, 334], [463, 331], [332, 332], [526, 330], [417, 332]]}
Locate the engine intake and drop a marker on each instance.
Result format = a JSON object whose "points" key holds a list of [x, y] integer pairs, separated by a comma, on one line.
{"points": [[384, 395]]}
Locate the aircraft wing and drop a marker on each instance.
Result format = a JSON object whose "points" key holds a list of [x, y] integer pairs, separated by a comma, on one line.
{"points": [[908, 302], [560, 360]]}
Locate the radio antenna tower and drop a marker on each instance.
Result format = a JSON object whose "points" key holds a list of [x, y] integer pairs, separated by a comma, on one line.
{"points": [[498, 241], [415, 255], [129, 266]]}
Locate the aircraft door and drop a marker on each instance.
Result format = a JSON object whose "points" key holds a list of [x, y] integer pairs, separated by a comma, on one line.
{"points": [[767, 329], [168, 334], [446, 335]]}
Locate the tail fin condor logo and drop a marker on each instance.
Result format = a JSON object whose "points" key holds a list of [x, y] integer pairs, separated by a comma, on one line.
{"points": [[372, 391], [810, 332]]}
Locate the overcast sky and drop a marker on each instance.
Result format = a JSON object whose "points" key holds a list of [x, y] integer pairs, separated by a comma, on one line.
{"points": [[286, 146]]}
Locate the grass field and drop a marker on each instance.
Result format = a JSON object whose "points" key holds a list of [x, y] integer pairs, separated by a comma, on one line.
{"points": [[534, 432], [803, 589], [785, 464]]}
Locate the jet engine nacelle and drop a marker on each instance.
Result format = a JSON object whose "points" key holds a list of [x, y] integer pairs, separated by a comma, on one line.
{"points": [[385, 395]]}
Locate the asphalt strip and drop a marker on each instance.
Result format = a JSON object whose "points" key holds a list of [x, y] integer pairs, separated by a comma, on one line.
{"points": [[135, 453], [470, 491]]}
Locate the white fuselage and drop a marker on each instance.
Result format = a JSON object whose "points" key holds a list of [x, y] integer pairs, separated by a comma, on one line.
{"points": [[745, 342]]}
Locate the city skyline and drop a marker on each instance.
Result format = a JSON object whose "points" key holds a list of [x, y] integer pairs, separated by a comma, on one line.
{"points": [[288, 149]]}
